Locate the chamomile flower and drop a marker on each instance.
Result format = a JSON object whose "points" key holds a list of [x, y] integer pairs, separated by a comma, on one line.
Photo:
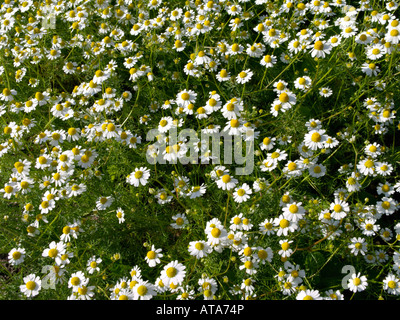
{"points": [[32, 285], [249, 266], [267, 143], [320, 49], [185, 293], [358, 246], [84, 293], [267, 226], [325, 92], [333, 295], [173, 273], [370, 69], [386, 206], [120, 214], [393, 35], [369, 227], [357, 282], [197, 191], [244, 76], [375, 51], [268, 61], [223, 75], [315, 139], [226, 182], [235, 49], [165, 124], [231, 110], [77, 280], [139, 176], [104, 202], [185, 97], [236, 222], [218, 235], [385, 189], [264, 254], [286, 99], [208, 287], [285, 251], [16, 256], [308, 294], [55, 251], [293, 168], [303, 83], [268, 164], [199, 249], [391, 284], [339, 209], [317, 170], [143, 290], [180, 221], [53, 54], [284, 225], [352, 183], [294, 211], [93, 264], [386, 234]]}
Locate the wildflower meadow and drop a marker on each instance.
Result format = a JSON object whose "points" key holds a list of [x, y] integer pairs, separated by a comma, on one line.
{"points": [[199, 150]]}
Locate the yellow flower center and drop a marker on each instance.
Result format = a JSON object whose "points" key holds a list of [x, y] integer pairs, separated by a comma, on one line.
{"points": [[31, 285], [142, 290]]}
